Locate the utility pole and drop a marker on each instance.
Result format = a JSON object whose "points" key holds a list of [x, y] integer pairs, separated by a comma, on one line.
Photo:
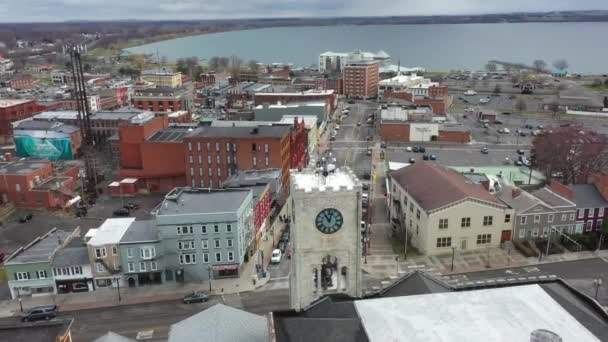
{"points": [[453, 253]]}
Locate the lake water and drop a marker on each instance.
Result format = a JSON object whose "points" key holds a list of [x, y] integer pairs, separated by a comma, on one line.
{"points": [[435, 47]]}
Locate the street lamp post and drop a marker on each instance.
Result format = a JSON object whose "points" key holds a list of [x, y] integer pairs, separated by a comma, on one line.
{"points": [[117, 279], [597, 283], [209, 268], [453, 253]]}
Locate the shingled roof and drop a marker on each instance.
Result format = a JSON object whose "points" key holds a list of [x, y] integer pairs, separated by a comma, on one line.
{"points": [[434, 186]]}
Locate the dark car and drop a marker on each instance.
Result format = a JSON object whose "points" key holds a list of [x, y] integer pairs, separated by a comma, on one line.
{"points": [[367, 176], [25, 218], [383, 145], [523, 134], [415, 149], [196, 297], [121, 212], [425, 157], [282, 245], [412, 160], [484, 150], [131, 206], [497, 122], [528, 126], [506, 113], [522, 152], [40, 312], [519, 163], [433, 157], [365, 186], [422, 149]]}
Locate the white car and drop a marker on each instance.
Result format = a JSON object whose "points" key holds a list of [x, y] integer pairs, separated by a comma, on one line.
{"points": [[469, 110], [484, 100], [470, 92], [409, 149], [276, 256], [337, 127], [506, 131]]}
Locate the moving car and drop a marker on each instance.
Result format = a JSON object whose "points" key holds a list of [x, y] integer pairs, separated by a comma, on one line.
{"points": [[275, 258], [485, 150], [470, 92], [469, 110], [412, 160], [369, 151], [196, 297], [367, 176], [40, 312], [409, 149], [121, 212], [433, 157]]}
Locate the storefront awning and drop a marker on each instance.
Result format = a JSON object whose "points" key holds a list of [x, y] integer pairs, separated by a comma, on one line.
{"points": [[226, 267]]}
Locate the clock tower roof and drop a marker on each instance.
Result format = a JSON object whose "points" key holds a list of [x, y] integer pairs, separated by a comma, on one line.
{"points": [[309, 180]]}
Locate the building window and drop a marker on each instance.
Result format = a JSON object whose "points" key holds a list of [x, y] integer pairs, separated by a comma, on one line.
{"points": [[129, 252], [219, 172], [190, 159], [523, 219], [522, 233], [418, 213], [100, 252], [266, 160], [187, 259], [206, 258], [208, 159], [210, 171], [216, 228], [443, 223], [487, 220], [22, 275], [41, 274], [588, 226], [227, 147], [185, 230], [189, 146], [230, 256], [142, 267], [253, 147], [484, 239], [131, 267], [217, 243], [217, 147], [465, 222], [99, 267], [198, 146], [150, 252], [536, 218], [114, 250], [550, 218], [229, 243], [572, 217], [202, 183], [204, 229], [185, 245], [444, 242], [535, 232], [218, 257], [205, 244], [600, 212], [228, 228], [255, 161], [208, 147], [507, 218], [153, 266], [266, 148], [228, 160], [200, 172], [217, 159], [233, 147]]}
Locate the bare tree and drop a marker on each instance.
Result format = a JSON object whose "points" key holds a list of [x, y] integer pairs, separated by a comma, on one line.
{"points": [[138, 61], [561, 64], [491, 67], [497, 89], [252, 65], [553, 107], [539, 65]]}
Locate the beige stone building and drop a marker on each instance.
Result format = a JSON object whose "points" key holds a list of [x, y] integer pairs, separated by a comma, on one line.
{"points": [[163, 77], [440, 209], [104, 252]]}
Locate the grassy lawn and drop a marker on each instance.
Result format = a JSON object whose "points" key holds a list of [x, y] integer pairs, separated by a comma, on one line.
{"points": [[100, 52], [602, 89]]}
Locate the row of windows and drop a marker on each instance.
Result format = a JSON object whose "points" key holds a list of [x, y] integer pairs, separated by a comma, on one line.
{"points": [[465, 222], [482, 239], [102, 253], [189, 230], [210, 172], [26, 275], [218, 159], [67, 271], [142, 266], [218, 147], [189, 244], [524, 219], [144, 252], [190, 258]]}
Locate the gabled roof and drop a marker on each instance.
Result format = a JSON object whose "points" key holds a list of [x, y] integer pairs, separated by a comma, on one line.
{"points": [[113, 337], [587, 196], [553, 199], [220, 323], [518, 199], [434, 186], [415, 283]]}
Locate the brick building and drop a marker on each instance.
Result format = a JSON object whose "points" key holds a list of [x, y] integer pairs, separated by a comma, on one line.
{"points": [[38, 183], [163, 77], [335, 84], [15, 110], [215, 79], [327, 96], [47, 139], [113, 98], [161, 100], [438, 104], [361, 79], [22, 82]]}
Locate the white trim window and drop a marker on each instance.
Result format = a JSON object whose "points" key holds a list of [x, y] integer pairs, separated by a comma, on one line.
{"points": [[185, 245], [203, 229], [443, 223], [523, 219], [565, 217], [142, 267], [230, 256], [22, 276], [536, 218], [129, 252], [550, 218], [444, 242], [153, 266], [572, 217], [99, 267], [522, 233], [205, 258], [205, 244], [187, 259], [588, 225], [217, 243], [488, 220], [229, 243], [41, 274], [600, 213], [114, 250], [535, 232], [216, 228], [130, 267], [484, 239], [218, 257], [185, 230], [229, 228], [100, 252], [150, 252]]}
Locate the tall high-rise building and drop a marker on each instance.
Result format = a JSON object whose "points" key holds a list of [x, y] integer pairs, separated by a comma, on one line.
{"points": [[361, 79]]}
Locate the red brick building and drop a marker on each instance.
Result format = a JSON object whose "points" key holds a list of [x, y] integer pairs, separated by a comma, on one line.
{"points": [[438, 104], [38, 183], [438, 91], [335, 84], [328, 96], [361, 79], [15, 110], [161, 100], [22, 82]]}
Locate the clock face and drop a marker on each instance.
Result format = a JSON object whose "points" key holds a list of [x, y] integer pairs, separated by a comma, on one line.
{"points": [[329, 221]]}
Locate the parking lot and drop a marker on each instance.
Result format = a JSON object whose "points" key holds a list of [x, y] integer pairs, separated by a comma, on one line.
{"points": [[457, 156]]}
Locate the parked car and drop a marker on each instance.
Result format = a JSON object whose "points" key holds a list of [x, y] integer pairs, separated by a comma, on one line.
{"points": [[40, 312], [485, 150], [425, 157], [358, 123], [485, 125], [409, 149], [422, 149], [497, 122], [363, 227], [369, 151], [365, 186], [518, 163], [131, 206], [337, 127], [121, 212], [523, 134], [506, 113], [412, 160], [26, 217], [382, 145], [196, 297], [275, 258], [433, 157], [521, 152], [528, 126], [282, 245], [366, 176], [469, 110]]}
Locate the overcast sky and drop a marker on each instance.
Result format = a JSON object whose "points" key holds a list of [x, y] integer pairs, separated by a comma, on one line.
{"points": [[60, 10]]}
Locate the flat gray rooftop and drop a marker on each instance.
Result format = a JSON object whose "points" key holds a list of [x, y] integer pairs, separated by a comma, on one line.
{"points": [[140, 231], [22, 167], [242, 132], [202, 201], [41, 250]]}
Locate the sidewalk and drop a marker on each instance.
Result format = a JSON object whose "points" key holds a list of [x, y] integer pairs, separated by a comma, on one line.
{"points": [[385, 266], [155, 293]]}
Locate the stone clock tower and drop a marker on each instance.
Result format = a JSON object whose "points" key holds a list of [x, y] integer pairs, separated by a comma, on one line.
{"points": [[326, 235]]}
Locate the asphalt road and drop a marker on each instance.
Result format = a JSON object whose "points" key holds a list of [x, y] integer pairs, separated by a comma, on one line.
{"points": [[128, 320], [579, 274]]}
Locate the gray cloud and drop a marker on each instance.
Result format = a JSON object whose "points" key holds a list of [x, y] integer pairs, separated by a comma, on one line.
{"points": [[59, 10]]}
